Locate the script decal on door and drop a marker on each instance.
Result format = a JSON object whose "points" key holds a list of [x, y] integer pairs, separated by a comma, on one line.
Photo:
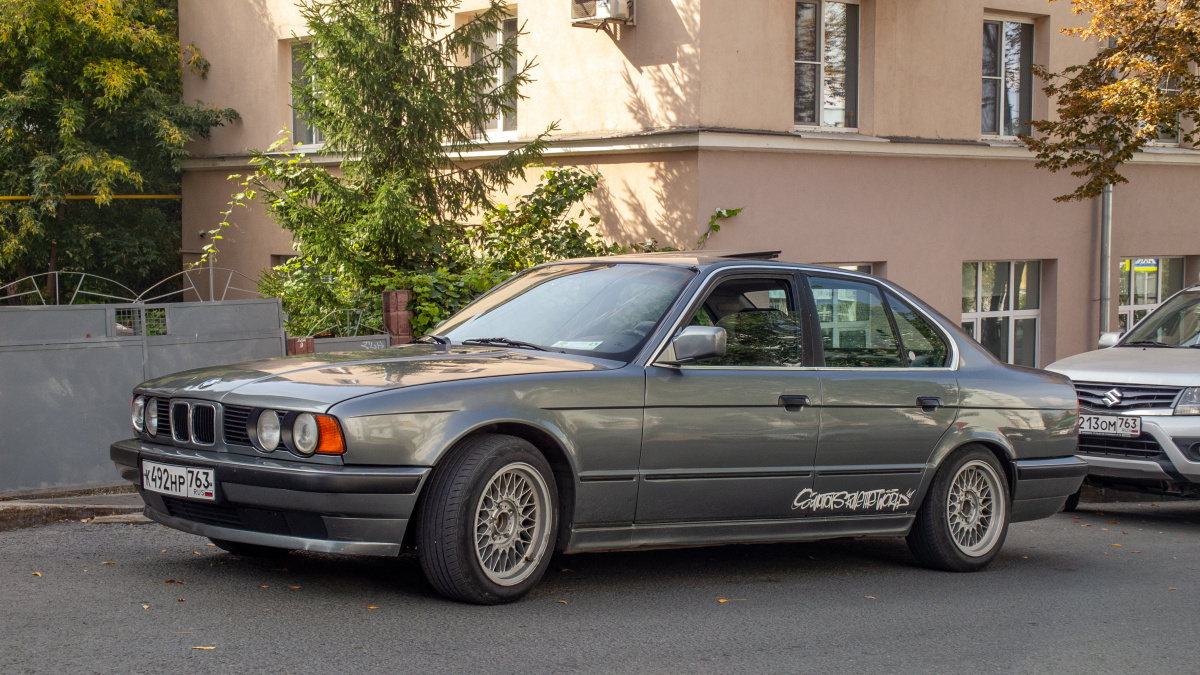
{"points": [[866, 500]]}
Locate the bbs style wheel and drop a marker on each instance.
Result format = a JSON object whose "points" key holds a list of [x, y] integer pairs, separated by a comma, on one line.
{"points": [[962, 524], [488, 521]]}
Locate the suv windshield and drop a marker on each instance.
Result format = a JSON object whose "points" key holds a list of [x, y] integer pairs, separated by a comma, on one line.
{"points": [[1175, 324], [607, 310]]}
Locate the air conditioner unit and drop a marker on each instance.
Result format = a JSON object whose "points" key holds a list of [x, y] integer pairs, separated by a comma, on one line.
{"points": [[596, 12]]}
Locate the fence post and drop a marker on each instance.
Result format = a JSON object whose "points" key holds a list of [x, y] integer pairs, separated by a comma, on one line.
{"points": [[301, 345], [397, 320]]}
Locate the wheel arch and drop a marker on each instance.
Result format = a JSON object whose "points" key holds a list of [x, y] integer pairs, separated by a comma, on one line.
{"points": [[549, 444], [956, 439]]}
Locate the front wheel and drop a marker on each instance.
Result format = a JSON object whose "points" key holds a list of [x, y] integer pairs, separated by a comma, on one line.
{"points": [[488, 521], [963, 522]]}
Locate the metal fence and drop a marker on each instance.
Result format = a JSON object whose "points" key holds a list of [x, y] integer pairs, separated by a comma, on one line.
{"points": [[66, 373]]}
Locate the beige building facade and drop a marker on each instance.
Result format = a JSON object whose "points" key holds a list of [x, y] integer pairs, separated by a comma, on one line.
{"points": [[874, 133]]}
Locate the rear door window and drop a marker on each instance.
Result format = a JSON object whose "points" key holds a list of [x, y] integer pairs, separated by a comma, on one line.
{"points": [[856, 331], [922, 344]]}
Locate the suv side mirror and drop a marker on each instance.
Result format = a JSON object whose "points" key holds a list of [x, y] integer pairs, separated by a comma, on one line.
{"points": [[695, 343], [1108, 340]]}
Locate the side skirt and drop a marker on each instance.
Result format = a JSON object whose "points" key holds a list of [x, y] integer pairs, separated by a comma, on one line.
{"points": [[735, 532]]}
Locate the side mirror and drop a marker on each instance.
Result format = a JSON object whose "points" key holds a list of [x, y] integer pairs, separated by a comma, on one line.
{"points": [[1108, 340], [695, 343]]}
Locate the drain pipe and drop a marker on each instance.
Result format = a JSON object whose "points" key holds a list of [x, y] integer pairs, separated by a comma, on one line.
{"points": [[1105, 256]]}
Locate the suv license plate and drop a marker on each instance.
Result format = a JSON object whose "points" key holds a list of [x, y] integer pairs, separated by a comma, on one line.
{"points": [[181, 481], [1110, 425]]}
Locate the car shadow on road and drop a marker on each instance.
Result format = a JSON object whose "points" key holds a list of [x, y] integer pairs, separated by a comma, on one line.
{"points": [[1149, 511]]}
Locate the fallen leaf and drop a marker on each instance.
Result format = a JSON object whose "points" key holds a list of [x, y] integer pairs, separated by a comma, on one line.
{"points": [[210, 544], [106, 563], [1172, 589], [181, 599], [1025, 557], [1087, 524], [563, 602], [264, 586], [869, 597], [293, 587], [172, 581], [372, 607], [203, 647], [722, 600], [1124, 533], [163, 551], [196, 552], [1137, 551], [1116, 544], [145, 606], [1105, 529], [37, 574], [566, 570], [1113, 522]]}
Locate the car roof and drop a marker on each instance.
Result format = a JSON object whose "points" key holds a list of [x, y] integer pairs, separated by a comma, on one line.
{"points": [[696, 259]]}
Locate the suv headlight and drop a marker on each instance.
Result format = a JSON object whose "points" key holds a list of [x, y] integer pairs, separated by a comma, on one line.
{"points": [[1189, 402]]}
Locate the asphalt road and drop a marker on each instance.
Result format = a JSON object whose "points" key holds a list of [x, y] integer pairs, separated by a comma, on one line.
{"points": [[1113, 590]]}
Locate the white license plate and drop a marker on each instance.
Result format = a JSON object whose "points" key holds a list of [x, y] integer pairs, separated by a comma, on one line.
{"points": [[1110, 425], [181, 481]]}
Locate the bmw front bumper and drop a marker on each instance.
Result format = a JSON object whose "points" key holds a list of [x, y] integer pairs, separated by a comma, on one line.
{"points": [[294, 505]]}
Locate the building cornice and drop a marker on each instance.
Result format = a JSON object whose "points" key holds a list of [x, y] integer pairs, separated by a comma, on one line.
{"points": [[732, 140]]}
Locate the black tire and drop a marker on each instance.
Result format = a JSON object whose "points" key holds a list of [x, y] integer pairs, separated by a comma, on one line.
{"points": [[250, 550], [453, 505], [1072, 502], [933, 540]]}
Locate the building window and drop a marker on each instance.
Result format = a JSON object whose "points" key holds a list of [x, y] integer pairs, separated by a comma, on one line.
{"points": [[1007, 78], [826, 86], [303, 133], [1145, 284], [1001, 308], [505, 122]]}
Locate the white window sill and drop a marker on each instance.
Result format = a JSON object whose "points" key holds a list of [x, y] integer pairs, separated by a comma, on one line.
{"points": [[311, 147], [835, 134], [1003, 141]]}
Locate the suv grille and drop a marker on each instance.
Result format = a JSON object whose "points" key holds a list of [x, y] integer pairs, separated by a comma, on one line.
{"points": [[1142, 447], [1132, 396], [235, 425]]}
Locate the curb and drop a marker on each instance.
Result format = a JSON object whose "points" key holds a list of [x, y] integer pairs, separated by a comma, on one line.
{"points": [[17, 515]]}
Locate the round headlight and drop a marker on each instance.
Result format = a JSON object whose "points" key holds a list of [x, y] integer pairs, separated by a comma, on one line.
{"points": [[268, 430], [304, 434], [152, 416], [136, 414]]}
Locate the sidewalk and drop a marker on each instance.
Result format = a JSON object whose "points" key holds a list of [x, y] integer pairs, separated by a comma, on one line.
{"points": [[33, 512]]}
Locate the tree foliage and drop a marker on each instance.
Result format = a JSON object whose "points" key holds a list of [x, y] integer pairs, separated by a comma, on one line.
{"points": [[1141, 84], [91, 104]]}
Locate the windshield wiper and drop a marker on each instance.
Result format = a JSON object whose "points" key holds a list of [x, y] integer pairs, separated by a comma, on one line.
{"points": [[505, 342], [436, 339], [1146, 343]]}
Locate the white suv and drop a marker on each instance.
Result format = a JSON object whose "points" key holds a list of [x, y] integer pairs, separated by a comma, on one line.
{"points": [[1139, 402]]}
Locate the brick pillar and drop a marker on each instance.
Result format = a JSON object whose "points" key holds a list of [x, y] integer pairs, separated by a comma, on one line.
{"points": [[397, 320], [301, 345]]}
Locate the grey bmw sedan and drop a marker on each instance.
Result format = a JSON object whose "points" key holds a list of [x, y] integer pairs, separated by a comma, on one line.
{"points": [[654, 400]]}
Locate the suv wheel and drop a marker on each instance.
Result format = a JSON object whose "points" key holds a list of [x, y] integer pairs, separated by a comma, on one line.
{"points": [[487, 523], [964, 520]]}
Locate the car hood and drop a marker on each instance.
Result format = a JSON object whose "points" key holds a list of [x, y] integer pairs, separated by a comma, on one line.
{"points": [[314, 382], [1178, 367]]}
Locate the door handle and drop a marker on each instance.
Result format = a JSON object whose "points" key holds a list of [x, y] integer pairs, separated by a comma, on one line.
{"points": [[929, 403], [794, 403]]}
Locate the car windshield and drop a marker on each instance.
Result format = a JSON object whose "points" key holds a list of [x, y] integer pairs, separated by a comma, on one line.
{"points": [[1175, 324], [607, 310]]}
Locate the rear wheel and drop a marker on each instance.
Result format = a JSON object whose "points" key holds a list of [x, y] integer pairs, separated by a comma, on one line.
{"points": [[963, 522], [250, 550], [487, 523]]}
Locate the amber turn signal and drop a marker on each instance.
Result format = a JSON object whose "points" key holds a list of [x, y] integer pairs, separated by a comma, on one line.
{"points": [[330, 437]]}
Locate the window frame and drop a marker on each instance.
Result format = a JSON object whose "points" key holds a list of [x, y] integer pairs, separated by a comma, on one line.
{"points": [[1129, 310], [314, 130], [500, 134], [812, 343], [977, 317], [1002, 19], [820, 63]]}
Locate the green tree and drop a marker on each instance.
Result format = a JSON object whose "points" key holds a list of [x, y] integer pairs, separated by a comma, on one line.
{"points": [[1140, 86], [91, 105]]}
